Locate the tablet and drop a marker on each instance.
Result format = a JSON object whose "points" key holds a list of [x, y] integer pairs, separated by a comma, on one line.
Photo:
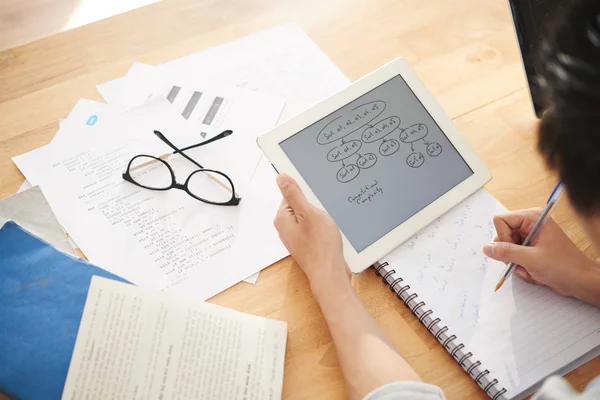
{"points": [[381, 157]]}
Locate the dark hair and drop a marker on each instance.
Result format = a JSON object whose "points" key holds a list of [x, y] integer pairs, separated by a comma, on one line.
{"points": [[569, 76]]}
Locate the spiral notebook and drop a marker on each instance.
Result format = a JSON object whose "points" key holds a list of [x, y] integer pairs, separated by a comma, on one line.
{"points": [[507, 341]]}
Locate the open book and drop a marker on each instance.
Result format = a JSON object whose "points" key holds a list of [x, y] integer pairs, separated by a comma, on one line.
{"points": [[507, 341], [141, 344]]}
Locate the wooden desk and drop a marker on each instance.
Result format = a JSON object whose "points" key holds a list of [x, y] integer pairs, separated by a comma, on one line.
{"points": [[464, 51]]}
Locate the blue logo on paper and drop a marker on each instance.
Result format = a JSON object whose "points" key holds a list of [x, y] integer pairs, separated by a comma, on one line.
{"points": [[92, 120]]}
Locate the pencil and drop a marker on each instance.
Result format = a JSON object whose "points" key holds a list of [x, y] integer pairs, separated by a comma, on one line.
{"points": [[552, 201], [499, 284]]}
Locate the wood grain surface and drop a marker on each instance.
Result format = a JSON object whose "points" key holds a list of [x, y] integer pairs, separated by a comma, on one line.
{"points": [[464, 51]]}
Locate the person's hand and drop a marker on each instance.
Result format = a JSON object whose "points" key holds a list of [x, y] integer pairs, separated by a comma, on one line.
{"points": [[310, 235], [553, 260]]}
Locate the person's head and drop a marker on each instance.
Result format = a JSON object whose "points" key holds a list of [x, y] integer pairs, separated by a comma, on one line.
{"points": [[569, 133]]}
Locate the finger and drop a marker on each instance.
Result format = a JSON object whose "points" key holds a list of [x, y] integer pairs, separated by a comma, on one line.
{"points": [[497, 239], [283, 208], [283, 213], [509, 252], [292, 194], [516, 219], [514, 226], [506, 230], [523, 274]]}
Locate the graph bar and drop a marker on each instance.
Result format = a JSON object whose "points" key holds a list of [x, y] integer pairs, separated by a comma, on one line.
{"points": [[212, 111], [173, 93], [191, 105]]}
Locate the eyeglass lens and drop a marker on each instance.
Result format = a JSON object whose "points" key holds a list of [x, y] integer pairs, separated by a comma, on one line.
{"points": [[151, 172], [210, 185], [154, 173]]}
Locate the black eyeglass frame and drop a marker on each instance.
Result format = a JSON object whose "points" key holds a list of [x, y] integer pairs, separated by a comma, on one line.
{"points": [[233, 201]]}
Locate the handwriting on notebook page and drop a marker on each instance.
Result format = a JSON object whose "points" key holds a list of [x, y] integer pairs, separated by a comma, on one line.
{"points": [[436, 258], [521, 333]]}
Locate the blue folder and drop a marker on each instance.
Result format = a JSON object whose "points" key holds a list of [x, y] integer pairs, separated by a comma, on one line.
{"points": [[42, 295]]}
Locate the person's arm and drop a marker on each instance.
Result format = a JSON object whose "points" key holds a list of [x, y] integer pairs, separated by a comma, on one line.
{"points": [[589, 285], [553, 260], [367, 358]]}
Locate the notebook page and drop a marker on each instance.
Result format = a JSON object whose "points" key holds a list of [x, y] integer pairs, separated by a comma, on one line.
{"points": [[135, 343], [523, 332]]}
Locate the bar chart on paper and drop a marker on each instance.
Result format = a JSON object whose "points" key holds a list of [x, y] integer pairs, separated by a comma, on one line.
{"points": [[197, 106]]}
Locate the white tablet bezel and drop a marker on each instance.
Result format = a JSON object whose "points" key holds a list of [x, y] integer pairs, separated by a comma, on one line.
{"points": [[358, 261]]}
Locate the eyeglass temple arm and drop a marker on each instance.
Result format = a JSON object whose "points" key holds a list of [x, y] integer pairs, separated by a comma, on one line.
{"points": [[214, 139], [180, 151], [171, 145]]}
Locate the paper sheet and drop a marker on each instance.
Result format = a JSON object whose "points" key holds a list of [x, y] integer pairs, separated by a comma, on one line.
{"points": [[84, 119], [88, 114], [26, 185], [281, 61], [131, 90], [141, 344], [260, 224], [522, 333], [84, 183], [205, 106], [31, 211], [254, 277]]}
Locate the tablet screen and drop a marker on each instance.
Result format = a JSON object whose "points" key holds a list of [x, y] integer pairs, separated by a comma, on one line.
{"points": [[376, 162]]}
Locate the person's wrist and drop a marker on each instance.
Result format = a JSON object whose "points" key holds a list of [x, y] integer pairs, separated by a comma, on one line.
{"points": [[587, 287], [329, 277]]}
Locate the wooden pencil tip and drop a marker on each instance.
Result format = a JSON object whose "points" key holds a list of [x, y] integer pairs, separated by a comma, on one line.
{"points": [[499, 285]]}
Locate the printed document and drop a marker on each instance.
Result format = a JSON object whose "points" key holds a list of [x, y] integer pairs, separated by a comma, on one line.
{"points": [[159, 239]]}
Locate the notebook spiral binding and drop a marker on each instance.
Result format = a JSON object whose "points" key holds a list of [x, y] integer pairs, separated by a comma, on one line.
{"points": [[434, 325]]}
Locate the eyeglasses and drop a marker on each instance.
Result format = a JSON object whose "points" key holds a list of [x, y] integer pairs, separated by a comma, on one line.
{"points": [[206, 185]]}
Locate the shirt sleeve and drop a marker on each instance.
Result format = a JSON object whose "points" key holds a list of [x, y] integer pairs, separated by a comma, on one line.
{"points": [[406, 391], [556, 388]]}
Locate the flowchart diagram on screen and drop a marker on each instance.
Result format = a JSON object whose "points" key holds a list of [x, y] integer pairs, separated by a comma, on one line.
{"points": [[353, 132]]}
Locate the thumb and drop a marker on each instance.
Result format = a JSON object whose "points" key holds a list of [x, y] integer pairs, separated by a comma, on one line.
{"points": [[292, 194], [508, 252]]}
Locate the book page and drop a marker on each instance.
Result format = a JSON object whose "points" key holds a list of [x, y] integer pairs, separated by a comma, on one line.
{"points": [[523, 332], [135, 343]]}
